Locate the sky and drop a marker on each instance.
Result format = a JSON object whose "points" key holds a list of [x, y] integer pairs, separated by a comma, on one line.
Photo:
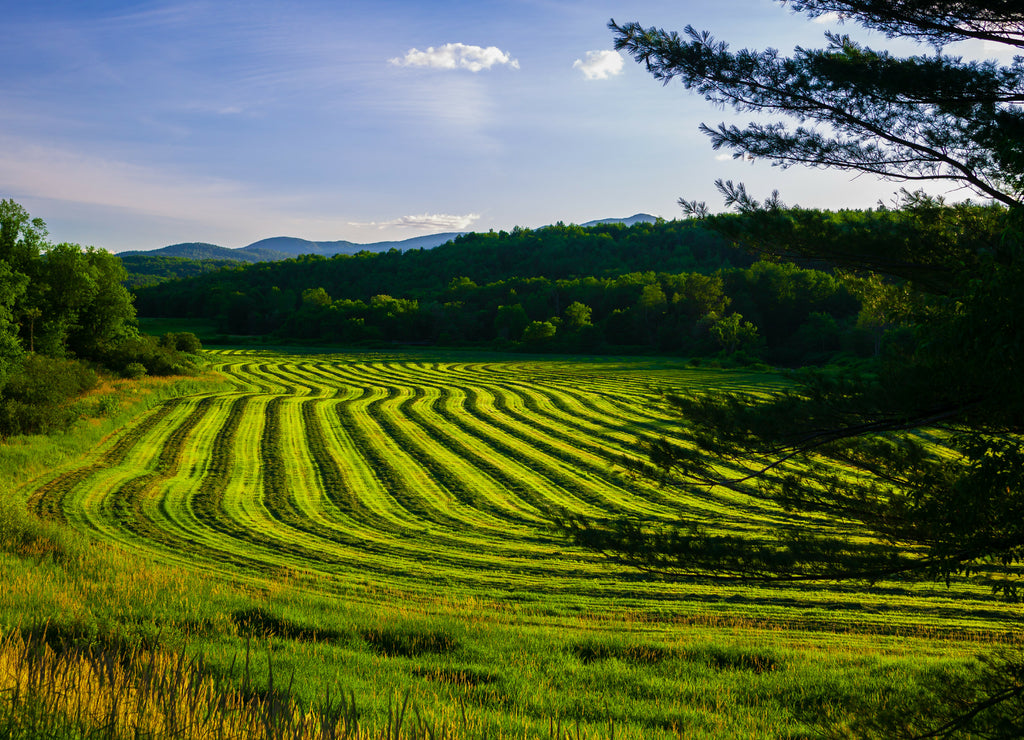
{"points": [[134, 125]]}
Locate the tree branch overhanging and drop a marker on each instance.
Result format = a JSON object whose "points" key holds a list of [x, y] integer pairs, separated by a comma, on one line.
{"points": [[861, 94]]}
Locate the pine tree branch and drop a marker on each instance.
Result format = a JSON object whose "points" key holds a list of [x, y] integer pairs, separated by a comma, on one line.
{"points": [[930, 20], [809, 86]]}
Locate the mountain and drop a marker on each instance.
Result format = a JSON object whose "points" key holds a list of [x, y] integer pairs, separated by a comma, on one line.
{"points": [[204, 251], [416, 242], [289, 246], [285, 247], [639, 218], [293, 246], [278, 248]]}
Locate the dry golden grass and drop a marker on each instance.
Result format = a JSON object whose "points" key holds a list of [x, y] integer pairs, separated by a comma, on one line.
{"points": [[57, 690]]}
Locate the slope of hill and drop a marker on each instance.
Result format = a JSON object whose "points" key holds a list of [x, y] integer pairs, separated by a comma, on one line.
{"points": [[206, 251], [285, 247], [553, 253], [290, 246], [659, 287], [638, 218], [294, 247], [145, 269], [417, 242], [194, 258]]}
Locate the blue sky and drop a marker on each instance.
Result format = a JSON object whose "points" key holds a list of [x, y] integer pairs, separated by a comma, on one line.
{"points": [[133, 125]]}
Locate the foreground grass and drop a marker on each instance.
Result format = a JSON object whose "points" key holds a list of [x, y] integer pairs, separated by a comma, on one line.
{"points": [[495, 674], [523, 660]]}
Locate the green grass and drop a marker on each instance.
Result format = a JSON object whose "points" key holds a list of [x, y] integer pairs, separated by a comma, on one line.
{"points": [[202, 328], [380, 524]]}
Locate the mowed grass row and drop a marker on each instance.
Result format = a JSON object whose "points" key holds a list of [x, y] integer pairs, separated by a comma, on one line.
{"points": [[424, 476]]}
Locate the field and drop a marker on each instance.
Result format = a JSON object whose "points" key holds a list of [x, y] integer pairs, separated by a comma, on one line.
{"points": [[382, 523]]}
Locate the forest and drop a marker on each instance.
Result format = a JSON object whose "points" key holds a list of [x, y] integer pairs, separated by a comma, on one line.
{"points": [[66, 316], [669, 287]]}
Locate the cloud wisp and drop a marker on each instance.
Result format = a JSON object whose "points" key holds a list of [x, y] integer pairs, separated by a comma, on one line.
{"points": [[456, 56], [828, 19], [442, 221], [599, 65]]}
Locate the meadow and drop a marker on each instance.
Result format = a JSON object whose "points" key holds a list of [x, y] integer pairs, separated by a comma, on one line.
{"points": [[378, 526]]}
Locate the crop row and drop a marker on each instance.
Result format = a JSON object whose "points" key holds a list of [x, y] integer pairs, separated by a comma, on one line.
{"points": [[425, 476]]}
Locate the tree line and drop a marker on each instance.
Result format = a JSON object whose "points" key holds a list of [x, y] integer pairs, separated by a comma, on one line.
{"points": [[65, 315], [560, 288]]}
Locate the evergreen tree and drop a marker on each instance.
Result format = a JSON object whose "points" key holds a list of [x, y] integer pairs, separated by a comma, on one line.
{"points": [[943, 282], [924, 117]]}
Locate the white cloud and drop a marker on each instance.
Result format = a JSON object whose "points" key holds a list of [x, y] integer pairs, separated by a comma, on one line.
{"points": [[442, 221], [456, 56], [600, 65], [828, 18], [983, 50]]}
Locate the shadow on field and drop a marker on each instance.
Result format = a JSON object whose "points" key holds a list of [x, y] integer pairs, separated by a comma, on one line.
{"points": [[258, 622], [717, 657], [66, 639], [406, 641], [460, 676], [409, 641]]}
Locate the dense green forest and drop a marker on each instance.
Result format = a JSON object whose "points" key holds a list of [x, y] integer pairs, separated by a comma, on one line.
{"points": [[673, 287], [142, 270], [557, 251], [66, 318]]}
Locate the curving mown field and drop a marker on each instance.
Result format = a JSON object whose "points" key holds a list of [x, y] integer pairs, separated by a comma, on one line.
{"points": [[391, 477]]}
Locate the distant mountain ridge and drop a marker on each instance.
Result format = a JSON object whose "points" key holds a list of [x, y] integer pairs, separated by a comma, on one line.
{"points": [[285, 247], [278, 248], [637, 218]]}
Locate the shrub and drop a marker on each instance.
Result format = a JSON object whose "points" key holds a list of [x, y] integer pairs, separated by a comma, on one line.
{"points": [[134, 370], [181, 341], [172, 354], [37, 396]]}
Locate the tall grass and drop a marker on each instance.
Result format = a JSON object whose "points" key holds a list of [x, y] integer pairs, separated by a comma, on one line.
{"points": [[55, 690]]}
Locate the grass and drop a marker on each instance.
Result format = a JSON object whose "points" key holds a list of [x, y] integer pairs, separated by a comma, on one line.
{"points": [[375, 527], [59, 689], [158, 327]]}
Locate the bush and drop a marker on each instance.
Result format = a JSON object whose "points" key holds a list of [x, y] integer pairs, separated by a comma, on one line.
{"points": [[49, 380], [539, 332], [181, 341], [172, 354], [37, 397], [134, 370]]}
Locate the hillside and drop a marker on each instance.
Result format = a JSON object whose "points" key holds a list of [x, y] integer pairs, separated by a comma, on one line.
{"points": [[638, 218], [278, 248], [653, 287], [293, 247], [190, 259], [203, 251], [291, 530], [145, 270], [553, 252], [284, 247]]}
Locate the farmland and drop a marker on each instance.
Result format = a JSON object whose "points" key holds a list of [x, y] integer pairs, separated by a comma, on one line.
{"points": [[385, 520]]}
